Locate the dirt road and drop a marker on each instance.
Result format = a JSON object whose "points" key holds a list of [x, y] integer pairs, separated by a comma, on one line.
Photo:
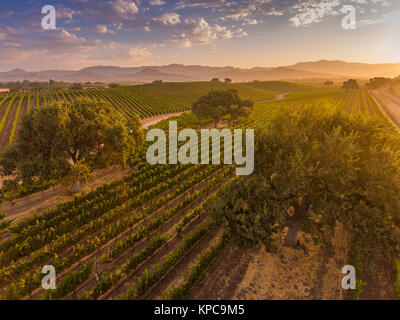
{"points": [[40, 201], [389, 104], [147, 122], [280, 96]]}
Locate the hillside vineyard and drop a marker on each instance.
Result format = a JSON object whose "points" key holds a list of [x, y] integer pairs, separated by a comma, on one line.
{"points": [[157, 152], [151, 233]]}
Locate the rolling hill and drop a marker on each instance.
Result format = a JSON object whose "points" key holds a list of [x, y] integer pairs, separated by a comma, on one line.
{"points": [[171, 73], [181, 73], [357, 70]]}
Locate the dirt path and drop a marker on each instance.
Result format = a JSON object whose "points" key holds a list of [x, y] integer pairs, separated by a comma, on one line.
{"points": [[169, 225], [223, 276], [280, 96], [389, 104], [147, 122], [152, 262], [40, 201], [303, 273], [181, 270]]}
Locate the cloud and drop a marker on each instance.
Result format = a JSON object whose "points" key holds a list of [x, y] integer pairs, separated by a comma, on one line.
{"points": [[200, 3], [65, 13], [252, 21], [101, 28], [228, 10], [3, 34], [306, 12], [313, 11], [156, 2], [6, 32], [199, 31], [111, 10], [299, 12], [169, 18], [64, 41], [124, 8], [138, 53]]}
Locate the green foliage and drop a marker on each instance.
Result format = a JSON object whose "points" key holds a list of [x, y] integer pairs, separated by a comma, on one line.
{"points": [[3, 120], [184, 94], [217, 104], [14, 127], [56, 137], [4, 223], [147, 280], [241, 209], [186, 120], [155, 243], [187, 218], [379, 82], [315, 166], [106, 282], [70, 283], [396, 278], [197, 271], [279, 86], [359, 289], [350, 84], [76, 86]]}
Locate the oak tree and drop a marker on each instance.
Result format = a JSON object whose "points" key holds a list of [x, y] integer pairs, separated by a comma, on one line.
{"points": [[65, 140], [217, 104], [315, 167]]}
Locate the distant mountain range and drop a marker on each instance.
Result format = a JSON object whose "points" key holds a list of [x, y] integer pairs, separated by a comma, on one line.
{"points": [[180, 73], [356, 70]]}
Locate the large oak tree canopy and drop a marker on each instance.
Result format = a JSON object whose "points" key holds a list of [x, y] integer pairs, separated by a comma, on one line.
{"points": [[217, 104], [58, 139], [315, 167], [350, 84]]}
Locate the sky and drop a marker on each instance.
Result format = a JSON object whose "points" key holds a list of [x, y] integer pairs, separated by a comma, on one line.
{"points": [[240, 33]]}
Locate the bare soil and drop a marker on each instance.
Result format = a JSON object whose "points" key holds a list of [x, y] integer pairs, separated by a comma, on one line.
{"points": [[280, 96], [304, 273], [40, 201], [389, 104], [101, 268], [379, 282], [181, 270], [147, 122]]}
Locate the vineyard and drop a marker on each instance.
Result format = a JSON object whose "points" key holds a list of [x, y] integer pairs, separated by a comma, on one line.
{"points": [[148, 235], [145, 101]]}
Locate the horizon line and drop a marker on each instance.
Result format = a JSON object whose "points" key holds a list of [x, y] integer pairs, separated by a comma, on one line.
{"points": [[205, 66]]}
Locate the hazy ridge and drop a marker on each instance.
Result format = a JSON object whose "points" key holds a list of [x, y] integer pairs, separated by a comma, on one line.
{"points": [[181, 73]]}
